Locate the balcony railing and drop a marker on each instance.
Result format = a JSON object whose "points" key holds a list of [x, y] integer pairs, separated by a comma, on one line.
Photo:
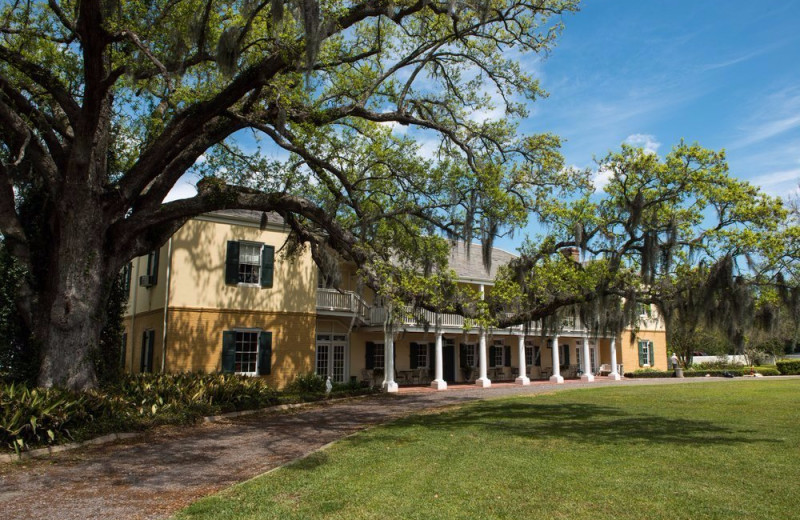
{"points": [[346, 302]]}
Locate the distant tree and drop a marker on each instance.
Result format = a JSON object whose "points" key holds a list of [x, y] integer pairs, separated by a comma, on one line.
{"points": [[680, 233]]}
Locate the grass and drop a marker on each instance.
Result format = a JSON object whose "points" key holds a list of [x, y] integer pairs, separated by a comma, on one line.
{"points": [[721, 450]]}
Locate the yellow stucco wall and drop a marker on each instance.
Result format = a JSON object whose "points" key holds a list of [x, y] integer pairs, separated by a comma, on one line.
{"points": [[198, 271], [628, 346], [147, 298], [194, 340]]}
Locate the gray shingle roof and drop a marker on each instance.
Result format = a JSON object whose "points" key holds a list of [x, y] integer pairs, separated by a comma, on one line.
{"points": [[472, 267]]}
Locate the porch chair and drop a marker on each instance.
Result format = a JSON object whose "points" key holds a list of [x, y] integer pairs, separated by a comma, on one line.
{"points": [[604, 370]]}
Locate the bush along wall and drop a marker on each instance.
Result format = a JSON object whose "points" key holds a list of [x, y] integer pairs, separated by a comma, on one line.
{"points": [[718, 372], [788, 366], [36, 417]]}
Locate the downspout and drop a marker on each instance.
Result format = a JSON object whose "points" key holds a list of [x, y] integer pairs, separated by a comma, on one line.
{"points": [[166, 309], [135, 287]]}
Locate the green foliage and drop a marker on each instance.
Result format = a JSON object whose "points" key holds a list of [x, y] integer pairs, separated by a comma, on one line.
{"points": [[699, 372], [18, 357], [35, 417], [307, 384], [788, 366]]}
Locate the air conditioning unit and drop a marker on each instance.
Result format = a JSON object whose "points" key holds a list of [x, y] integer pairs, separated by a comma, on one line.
{"points": [[147, 280]]}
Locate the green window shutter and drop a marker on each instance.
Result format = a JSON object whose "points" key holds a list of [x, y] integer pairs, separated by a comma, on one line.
{"points": [[265, 353], [232, 263], [267, 265], [507, 355], [123, 350], [537, 356], [652, 354], [128, 271], [229, 351], [491, 356], [151, 340], [462, 355], [143, 353], [369, 356], [152, 266], [565, 361], [432, 356], [413, 355], [641, 353]]}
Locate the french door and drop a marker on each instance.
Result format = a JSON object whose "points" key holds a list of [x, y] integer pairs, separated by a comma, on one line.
{"points": [[332, 356]]}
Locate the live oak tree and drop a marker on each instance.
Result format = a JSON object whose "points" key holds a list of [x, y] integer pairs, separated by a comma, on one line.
{"points": [[105, 105], [678, 232]]}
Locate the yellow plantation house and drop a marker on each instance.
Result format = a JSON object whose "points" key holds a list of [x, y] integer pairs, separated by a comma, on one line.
{"points": [[218, 297]]}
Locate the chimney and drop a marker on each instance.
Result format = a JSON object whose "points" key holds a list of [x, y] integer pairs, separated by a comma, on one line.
{"points": [[573, 253]]}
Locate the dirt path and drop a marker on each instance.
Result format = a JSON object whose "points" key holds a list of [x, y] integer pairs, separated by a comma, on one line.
{"points": [[155, 475]]}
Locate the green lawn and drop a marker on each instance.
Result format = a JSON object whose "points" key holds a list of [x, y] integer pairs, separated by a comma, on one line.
{"points": [[720, 450]]}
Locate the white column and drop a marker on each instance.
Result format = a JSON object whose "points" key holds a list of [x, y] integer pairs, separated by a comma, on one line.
{"points": [[587, 361], [614, 374], [439, 383], [523, 378], [556, 377], [389, 384], [483, 381]]}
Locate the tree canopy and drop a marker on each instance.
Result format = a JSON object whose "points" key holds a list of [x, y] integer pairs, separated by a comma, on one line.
{"points": [[105, 105]]}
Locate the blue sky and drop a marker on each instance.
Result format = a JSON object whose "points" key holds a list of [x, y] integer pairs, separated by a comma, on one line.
{"points": [[725, 74]]}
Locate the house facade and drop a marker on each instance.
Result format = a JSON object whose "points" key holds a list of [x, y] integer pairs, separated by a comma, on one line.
{"points": [[219, 297]]}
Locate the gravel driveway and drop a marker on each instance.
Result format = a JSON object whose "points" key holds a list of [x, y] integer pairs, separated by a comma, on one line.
{"points": [[155, 475]]}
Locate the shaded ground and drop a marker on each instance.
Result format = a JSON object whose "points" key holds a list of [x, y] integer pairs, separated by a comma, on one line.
{"points": [[155, 475]]}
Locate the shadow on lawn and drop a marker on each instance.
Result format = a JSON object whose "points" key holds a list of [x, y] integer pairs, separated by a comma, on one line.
{"points": [[587, 423]]}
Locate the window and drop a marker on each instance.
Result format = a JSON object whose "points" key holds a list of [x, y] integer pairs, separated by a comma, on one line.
{"points": [[249, 263], [247, 351], [150, 278], [418, 355], [146, 359], [468, 357], [422, 356], [533, 355], [379, 356], [646, 354], [644, 310], [499, 349]]}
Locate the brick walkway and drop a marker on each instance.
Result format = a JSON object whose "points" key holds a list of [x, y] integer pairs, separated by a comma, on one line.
{"points": [[163, 471]]}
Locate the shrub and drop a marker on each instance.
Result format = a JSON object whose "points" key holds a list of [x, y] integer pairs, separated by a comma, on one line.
{"points": [[788, 366], [307, 384], [715, 372]]}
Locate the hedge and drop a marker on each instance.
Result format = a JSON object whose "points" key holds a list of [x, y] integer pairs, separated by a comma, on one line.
{"points": [[764, 371], [35, 417], [788, 366]]}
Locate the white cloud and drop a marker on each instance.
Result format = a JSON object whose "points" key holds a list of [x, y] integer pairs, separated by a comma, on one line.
{"points": [[775, 115], [601, 178], [646, 141], [773, 178]]}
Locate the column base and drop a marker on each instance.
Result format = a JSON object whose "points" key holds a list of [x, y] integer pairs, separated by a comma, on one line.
{"points": [[439, 384], [483, 382], [390, 387], [523, 380], [557, 379], [614, 377], [587, 378]]}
